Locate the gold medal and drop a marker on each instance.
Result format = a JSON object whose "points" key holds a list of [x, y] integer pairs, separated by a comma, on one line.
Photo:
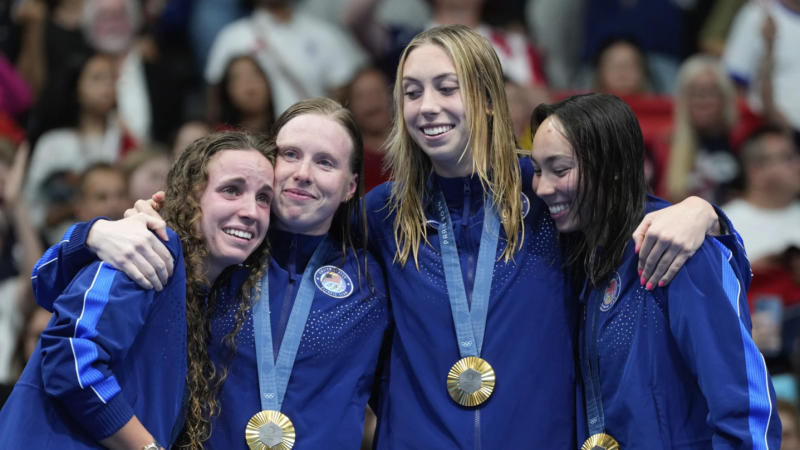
{"points": [[269, 430], [600, 441], [470, 381]]}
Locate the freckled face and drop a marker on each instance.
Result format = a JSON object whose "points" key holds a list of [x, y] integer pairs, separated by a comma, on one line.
{"points": [[555, 178]]}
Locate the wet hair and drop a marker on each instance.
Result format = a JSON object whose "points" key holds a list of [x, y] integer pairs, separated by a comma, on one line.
{"points": [[491, 141], [186, 182], [607, 140]]}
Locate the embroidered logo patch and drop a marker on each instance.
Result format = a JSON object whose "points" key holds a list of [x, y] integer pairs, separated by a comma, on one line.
{"points": [[611, 293], [333, 281], [526, 205]]}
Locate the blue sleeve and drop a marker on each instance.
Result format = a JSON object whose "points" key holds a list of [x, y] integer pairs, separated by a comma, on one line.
{"points": [[733, 241], [60, 263], [96, 320], [709, 319]]}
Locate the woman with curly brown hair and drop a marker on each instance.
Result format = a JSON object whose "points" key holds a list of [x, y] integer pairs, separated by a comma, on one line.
{"points": [[295, 366], [111, 367]]}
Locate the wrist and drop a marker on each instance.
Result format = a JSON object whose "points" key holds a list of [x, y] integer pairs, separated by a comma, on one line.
{"points": [[91, 237]]}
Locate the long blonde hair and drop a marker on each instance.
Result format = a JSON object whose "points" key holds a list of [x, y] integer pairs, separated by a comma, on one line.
{"points": [[684, 138], [491, 140]]}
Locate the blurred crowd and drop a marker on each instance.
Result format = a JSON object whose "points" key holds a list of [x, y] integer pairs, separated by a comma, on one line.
{"points": [[98, 96]]}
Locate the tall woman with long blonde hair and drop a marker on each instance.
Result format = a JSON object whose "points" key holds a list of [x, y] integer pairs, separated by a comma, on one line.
{"points": [[482, 349]]}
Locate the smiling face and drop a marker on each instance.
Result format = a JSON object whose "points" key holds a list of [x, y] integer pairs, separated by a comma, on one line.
{"points": [[235, 207], [434, 111], [555, 178], [312, 173]]}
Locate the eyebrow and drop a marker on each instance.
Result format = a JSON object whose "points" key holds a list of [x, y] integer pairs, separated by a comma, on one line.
{"points": [[439, 77]]}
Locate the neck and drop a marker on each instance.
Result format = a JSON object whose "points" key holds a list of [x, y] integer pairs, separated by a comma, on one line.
{"points": [[768, 200], [92, 124], [459, 169], [374, 141], [794, 5], [255, 122], [290, 228], [281, 13], [458, 15]]}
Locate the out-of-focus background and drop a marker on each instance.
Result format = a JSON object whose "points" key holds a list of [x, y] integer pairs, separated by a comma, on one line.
{"points": [[97, 97]]}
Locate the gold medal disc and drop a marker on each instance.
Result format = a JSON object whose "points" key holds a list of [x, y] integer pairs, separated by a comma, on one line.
{"points": [[470, 381], [269, 430], [600, 441]]}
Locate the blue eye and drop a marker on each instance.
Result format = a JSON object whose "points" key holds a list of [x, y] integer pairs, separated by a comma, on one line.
{"points": [[289, 154]]}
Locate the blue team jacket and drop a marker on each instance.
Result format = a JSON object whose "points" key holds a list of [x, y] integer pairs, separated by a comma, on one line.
{"points": [[112, 350], [337, 358], [336, 362], [528, 340], [677, 366]]}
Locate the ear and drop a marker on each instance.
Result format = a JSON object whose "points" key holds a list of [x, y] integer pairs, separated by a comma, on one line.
{"points": [[351, 188]]}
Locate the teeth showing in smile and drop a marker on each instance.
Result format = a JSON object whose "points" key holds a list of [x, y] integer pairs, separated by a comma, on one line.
{"points": [[433, 131], [555, 209], [238, 233]]}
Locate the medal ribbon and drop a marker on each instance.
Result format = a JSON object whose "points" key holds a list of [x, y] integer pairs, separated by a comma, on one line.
{"points": [[469, 318], [274, 373], [591, 379]]}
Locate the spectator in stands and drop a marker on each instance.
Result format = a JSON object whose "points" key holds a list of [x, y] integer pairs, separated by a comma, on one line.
{"points": [[790, 439], [150, 89], [768, 214], [621, 68], [369, 98], [761, 56], [519, 58], [303, 57], [102, 192], [187, 133], [700, 154], [50, 37], [658, 26], [245, 97], [85, 127], [146, 171]]}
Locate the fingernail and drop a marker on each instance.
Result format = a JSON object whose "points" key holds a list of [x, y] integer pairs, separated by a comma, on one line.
{"points": [[640, 272], [641, 281], [636, 249], [661, 283], [649, 286]]}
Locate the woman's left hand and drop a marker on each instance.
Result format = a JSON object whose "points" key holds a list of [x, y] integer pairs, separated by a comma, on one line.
{"points": [[667, 238]]}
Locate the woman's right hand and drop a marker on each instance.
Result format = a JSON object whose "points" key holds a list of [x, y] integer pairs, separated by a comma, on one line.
{"points": [[130, 247]]}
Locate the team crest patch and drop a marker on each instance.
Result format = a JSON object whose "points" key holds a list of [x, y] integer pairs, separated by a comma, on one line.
{"points": [[333, 281], [611, 293], [526, 205]]}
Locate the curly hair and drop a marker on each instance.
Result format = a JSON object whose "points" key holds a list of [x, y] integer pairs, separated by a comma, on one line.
{"points": [[186, 182], [491, 141]]}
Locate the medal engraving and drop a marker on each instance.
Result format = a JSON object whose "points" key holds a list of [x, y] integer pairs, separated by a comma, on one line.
{"points": [[469, 381], [270, 434]]}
